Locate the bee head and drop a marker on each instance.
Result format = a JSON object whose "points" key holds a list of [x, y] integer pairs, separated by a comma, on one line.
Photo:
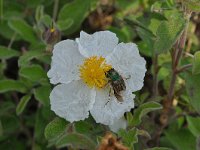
{"points": [[109, 73]]}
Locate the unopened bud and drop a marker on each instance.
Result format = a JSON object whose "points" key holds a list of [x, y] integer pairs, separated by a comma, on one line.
{"points": [[51, 36]]}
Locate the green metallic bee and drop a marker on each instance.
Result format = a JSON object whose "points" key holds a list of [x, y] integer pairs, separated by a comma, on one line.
{"points": [[117, 83]]}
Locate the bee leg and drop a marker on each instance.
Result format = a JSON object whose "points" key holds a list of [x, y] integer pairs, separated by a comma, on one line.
{"points": [[109, 96]]}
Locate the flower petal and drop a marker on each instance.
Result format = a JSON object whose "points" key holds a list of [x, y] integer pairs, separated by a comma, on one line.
{"points": [[118, 124], [127, 61], [65, 60], [72, 101], [107, 109], [98, 44]]}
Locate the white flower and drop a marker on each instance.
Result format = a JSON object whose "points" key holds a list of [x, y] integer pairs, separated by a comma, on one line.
{"points": [[79, 67]]}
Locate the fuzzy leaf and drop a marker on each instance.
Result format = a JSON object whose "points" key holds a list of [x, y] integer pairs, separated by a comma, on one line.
{"points": [[42, 94], [77, 141], [193, 5], [28, 56], [34, 73], [75, 12], [23, 29], [22, 104], [193, 125], [181, 139], [6, 53], [12, 85], [168, 33], [193, 88], [159, 148], [142, 110], [128, 137], [1, 129], [196, 63], [55, 128]]}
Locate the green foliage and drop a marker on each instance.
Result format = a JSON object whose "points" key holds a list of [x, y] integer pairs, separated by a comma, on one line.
{"points": [[196, 63], [22, 104], [168, 32], [193, 125], [70, 20], [129, 137], [193, 87], [181, 139], [42, 94], [23, 29], [159, 148], [6, 53], [193, 5], [76, 140], [55, 128], [1, 129], [25, 59], [34, 73], [12, 85], [142, 111]]}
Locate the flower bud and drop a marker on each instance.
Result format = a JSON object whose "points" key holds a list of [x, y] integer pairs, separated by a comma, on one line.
{"points": [[51, 36]]}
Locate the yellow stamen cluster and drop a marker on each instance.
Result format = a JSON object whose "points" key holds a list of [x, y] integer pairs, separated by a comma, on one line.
{"points": [[92, 72]]}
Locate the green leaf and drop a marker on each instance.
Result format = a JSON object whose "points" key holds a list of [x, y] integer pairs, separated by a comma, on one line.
{"points": [[128, 137], [6, 108], [29, 55], [12, 85], [75, 12], [77, 141], [55, 128], [181, 139], [196, 63], [41, 121], [46, 20], [159, 148], [10, 124], [64, 24], [1, 129], [84, 127], [193, 88], [142, 110], [22, 104], [6, 53], [23, 29], [34, 73], [194, 125], [42, 94], [5, 31], [193, 5], [39, 13], [168, 32]]}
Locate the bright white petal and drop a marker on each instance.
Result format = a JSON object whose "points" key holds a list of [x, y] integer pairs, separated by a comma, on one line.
{"points": [[72, 101], [107, 109], [127, 61], [118, 124], [65, 61], [99, 44]]}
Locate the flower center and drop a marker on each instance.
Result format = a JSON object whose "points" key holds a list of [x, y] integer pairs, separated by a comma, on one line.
{"points": [[92, 72]]}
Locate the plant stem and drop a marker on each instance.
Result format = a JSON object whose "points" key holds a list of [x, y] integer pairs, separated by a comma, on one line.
{"points": [[12, 40], [183, 68], [55, 9], [176, 59], [155, 75], [167, 103], [1, 9]]}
